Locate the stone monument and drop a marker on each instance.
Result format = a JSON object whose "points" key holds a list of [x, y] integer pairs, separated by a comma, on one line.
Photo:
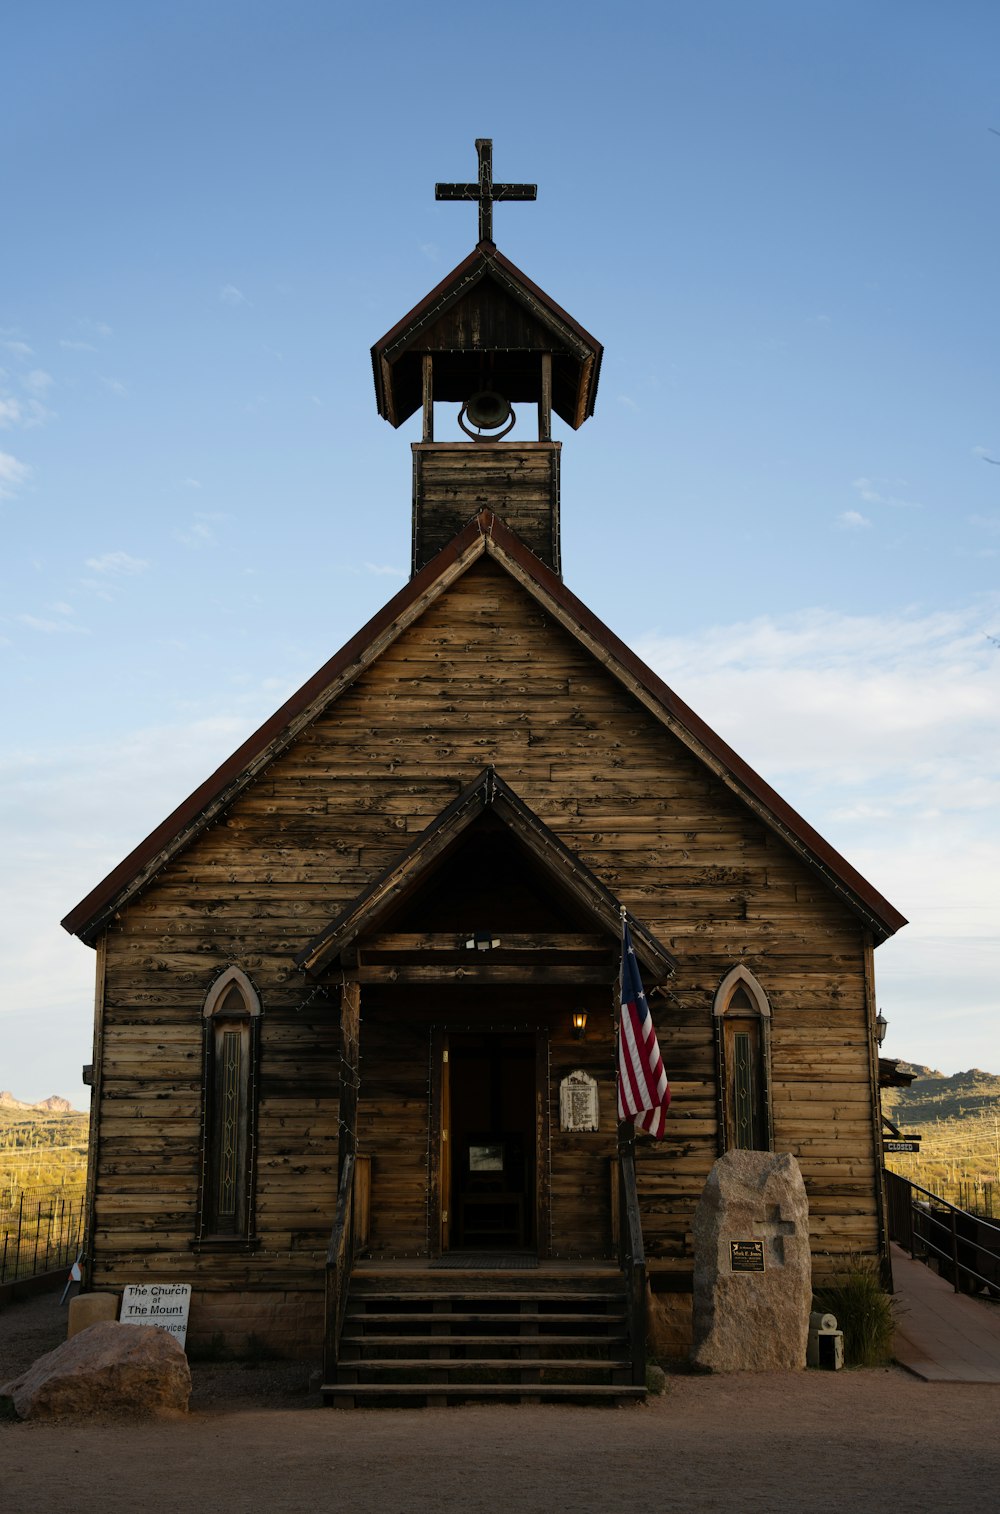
{"points": [[752, 1267]]}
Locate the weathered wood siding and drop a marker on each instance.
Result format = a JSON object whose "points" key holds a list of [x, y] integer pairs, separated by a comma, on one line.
{"points": [[484, 677], [453, 480]]}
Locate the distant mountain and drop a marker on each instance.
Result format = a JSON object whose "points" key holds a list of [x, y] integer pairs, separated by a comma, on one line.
{"points": [[52, 1105], [932, 1096]]}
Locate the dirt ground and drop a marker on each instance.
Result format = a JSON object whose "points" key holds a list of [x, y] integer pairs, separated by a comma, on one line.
{"points": [[256, 1438]]}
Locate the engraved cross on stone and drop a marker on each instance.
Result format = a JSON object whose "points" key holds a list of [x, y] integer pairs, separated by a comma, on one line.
{"points": [[485, 191], [773, 1229]]}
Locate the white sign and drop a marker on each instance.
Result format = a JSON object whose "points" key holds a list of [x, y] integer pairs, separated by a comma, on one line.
{"points": [[578, 1106], [163, 1304]]}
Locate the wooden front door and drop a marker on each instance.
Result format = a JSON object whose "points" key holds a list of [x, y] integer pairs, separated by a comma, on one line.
{"points": [[491, 1137]]}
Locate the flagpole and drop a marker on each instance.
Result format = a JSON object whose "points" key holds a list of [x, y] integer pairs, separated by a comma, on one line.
{"points": [[626, 1128]]}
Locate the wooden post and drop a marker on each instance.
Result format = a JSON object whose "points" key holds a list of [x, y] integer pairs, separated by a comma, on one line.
{"points": [[545, 402], [350, 1027], [427, 372]]}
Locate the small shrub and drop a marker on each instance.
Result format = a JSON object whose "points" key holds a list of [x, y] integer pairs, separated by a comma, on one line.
{"points": [[864, 1311]]}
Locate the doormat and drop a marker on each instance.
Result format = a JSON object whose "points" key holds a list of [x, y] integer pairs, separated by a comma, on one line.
{"points": [[485, 1261]]}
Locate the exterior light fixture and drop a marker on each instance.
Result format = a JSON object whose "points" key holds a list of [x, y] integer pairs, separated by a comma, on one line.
{"points": [[579, 1023], [881, 1026]]}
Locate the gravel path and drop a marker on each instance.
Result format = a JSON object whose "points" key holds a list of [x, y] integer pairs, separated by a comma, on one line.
{"points": [[744, 1444]]}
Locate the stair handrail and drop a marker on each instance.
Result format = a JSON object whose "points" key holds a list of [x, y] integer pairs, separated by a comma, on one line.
{"points": [[632, 1258], [907, 1219], [339, 1266]]}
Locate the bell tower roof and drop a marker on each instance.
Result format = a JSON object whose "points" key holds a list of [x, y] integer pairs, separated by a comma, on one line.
{"points": [[486, 325]]}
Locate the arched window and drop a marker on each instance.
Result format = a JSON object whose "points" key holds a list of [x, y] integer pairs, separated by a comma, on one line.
{"points": [[742, 1040], [232, 1017]]}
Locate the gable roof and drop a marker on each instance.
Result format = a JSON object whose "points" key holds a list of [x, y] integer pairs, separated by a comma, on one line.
{"points": [[487, 306], [489, 793], [486, 535]]}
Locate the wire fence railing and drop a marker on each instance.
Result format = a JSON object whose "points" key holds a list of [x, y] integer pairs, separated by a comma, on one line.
{"points": [[40, 1230], [964, 1248]]}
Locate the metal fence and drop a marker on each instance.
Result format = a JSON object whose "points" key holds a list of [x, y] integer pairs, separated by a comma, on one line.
{"points": [[964, 1248], [40, 1230]]}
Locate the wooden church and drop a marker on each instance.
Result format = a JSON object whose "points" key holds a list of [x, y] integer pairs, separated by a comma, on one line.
{"points": [[357, 997]]}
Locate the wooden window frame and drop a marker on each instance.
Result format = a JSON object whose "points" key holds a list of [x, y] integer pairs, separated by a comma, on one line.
{"points": [[729, 1022], [231, 1019]]}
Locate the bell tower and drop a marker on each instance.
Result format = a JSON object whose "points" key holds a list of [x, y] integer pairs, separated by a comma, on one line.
{"points": [[492, 342]]}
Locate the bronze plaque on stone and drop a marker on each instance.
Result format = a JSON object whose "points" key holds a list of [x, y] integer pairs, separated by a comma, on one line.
{"points": [[746, 1256]]}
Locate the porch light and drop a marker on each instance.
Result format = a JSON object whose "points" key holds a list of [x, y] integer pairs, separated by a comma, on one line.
{"points": [[579, 1023], [881, 1026]]}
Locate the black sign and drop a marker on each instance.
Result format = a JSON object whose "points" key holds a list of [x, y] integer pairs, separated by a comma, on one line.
{"points": [[746, 1256], [908, 1143]]}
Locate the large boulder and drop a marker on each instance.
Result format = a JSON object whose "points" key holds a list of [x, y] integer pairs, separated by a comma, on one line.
{"points": [[752, 1265], [138, 1370]]}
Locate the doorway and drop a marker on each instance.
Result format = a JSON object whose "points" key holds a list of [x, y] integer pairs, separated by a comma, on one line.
{"points": [[490, 1107]]}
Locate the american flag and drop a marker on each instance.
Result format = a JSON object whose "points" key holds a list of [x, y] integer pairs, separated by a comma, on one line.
{"points": [[643, 1090]]}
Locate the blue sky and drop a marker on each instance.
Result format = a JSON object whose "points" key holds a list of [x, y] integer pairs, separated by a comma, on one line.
{"points": [[781, 220]]}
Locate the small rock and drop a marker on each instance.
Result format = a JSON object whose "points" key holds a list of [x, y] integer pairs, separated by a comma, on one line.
{"points": [[138, 1370]]}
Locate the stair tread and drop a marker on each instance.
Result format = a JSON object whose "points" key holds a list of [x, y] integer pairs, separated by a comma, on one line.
{"points": [[484, 1316], [424, 1295], [484, 1363], [365, 1339], [484, 1390]]}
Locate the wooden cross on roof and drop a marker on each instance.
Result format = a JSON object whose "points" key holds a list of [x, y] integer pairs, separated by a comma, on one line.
{"points": [[485, 191]]}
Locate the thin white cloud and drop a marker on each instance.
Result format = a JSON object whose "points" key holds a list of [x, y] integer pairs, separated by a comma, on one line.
{"points": [[191, 483], [198, 534], [21, 414], [37, 381], [13, 475], [853, 520], [72, 346], [118, 564], [37, 623], [113, 384], [95, 328], [872, 493], [384, 570], [18, 349], [885, 733], [230, 295]]}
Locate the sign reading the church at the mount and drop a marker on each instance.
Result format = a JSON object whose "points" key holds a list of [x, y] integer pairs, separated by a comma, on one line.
{"points": [[746, 1256], [163, 1304]]}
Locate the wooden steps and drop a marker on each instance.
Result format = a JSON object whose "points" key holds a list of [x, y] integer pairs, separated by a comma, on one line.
{"points": [[440, 1338]]}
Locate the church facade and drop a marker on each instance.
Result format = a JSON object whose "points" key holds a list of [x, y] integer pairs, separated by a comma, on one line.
{"points": [[357, 997]]}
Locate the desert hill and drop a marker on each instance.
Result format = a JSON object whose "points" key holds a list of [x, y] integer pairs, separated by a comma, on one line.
{"points": [[933, 1096], [54, 1104]]}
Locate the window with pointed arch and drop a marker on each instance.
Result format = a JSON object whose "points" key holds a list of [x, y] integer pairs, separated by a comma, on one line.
{"points": [[742, 1017], [232, 1020]]}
